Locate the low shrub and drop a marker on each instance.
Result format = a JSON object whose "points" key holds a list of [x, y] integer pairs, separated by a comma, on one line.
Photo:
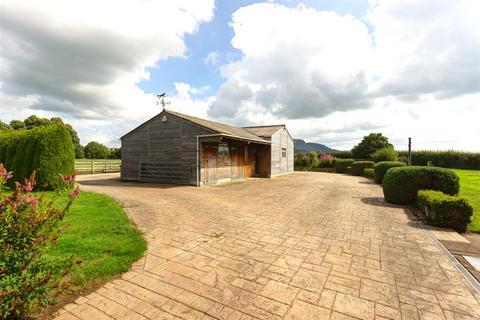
{"points": [[305, 161], [444, 210], [369, 173], [445, 159], [382, 167], [400, 185], [341, 165], [385, 154], [326, 163], [358, 166], [29, 280]]}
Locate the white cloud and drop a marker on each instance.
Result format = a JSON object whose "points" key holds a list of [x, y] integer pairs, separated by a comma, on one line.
{"points": [[416, 72], [86, 58], [298, 64]]}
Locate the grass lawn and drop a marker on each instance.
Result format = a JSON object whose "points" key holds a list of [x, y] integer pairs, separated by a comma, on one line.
{"points": [[470, 189], [101, 235]]}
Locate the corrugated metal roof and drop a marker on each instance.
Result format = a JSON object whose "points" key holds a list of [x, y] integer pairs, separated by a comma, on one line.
{"points": [[222, 128], [265, 131]]}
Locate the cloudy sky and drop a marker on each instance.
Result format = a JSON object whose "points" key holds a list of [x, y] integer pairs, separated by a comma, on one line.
{"points": [[332, 70]]}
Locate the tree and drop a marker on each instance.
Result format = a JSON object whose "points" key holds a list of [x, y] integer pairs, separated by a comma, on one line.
{"points": [[4, 126], [17, 125], [370, 144], [96, 150], [115, 153], [33, 121]]}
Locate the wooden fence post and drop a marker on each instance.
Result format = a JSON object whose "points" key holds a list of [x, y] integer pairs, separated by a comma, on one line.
{"points": [[91, 167]]}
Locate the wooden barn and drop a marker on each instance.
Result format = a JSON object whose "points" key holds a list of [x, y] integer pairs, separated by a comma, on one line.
{"points": [[175, 148]]}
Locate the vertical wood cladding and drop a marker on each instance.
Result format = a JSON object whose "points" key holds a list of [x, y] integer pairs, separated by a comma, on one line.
{"points": [[282, 144], [162, 151], [166, 152]]}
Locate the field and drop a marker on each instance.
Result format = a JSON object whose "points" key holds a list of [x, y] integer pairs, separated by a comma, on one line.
{"points": [[101, 236], [470, 189], [97, 165]]}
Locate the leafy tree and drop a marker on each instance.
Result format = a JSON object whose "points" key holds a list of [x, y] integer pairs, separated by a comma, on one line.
{"points": [[369, 144], [115, 153], [385, 154], [4, 126], [33, 121], [17, 125], [96, 150]]}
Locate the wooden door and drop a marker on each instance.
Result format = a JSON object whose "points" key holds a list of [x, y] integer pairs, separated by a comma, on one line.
{"points": [[211, 170]]}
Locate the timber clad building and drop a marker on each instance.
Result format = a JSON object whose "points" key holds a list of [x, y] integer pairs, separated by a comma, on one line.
{"points": [[179, 149]]}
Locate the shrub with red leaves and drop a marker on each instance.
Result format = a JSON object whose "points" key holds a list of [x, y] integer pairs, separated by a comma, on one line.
{"points": [[29, 227]]}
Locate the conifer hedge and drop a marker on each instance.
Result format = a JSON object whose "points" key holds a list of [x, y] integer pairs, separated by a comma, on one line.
{"points": [[47, 150]]}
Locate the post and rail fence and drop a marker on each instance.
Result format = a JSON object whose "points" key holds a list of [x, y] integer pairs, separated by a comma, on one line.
{"points": [[97, 166]]}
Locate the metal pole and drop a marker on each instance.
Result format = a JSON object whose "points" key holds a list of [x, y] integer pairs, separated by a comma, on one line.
{"points": [[198, 164], [409, 151]]}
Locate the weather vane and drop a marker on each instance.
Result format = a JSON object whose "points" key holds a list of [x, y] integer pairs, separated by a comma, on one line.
{"points": [[161, 100]]}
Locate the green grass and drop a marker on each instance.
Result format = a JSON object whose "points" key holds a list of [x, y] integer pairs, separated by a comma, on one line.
{"points": [[101, 235], [470, 189]]}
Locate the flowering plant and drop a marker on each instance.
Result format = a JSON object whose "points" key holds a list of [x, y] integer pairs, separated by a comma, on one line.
{"points": [[29, 227]]}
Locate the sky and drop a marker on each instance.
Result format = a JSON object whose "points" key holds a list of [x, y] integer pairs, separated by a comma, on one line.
{"points": [[331, 70]]}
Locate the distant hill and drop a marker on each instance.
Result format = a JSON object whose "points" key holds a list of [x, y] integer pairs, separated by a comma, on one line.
{"points": [[302, 146]]}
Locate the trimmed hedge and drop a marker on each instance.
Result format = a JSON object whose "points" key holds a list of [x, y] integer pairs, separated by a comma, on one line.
{"points": [[444, 210], [382, 167], [341, 165], [358, 166], [342, 154], [400, 185], [47, 150], [369, 173], [445, 159]]}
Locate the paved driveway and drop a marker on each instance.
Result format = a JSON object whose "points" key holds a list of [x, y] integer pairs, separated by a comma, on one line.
{"points": [[299, 246]]}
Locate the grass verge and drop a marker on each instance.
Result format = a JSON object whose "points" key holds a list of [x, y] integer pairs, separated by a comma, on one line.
{"points": [[470, 189], [101, 236]]}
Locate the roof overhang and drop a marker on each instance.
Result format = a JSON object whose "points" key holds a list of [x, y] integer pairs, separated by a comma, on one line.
{"points": [[233, 137]]}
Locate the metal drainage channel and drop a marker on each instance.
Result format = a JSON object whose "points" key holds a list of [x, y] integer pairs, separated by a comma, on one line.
{"points": [[468, 276]]}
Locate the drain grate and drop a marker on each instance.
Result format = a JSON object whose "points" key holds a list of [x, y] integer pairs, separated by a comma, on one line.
{"points": [[474, 261]]}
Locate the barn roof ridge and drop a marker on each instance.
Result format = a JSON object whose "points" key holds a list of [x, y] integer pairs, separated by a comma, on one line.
{"points": [[221, 128]]}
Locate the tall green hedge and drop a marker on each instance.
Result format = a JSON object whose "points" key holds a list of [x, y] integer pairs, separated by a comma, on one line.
{"points": [[445, 159], [47, 150], [401, 184]]}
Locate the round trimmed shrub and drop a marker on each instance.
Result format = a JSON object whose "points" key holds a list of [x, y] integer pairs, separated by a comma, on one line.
{"points": [[385, 154], [358, 166], [382, 167], [400, 185], [341, 165], [369, 173]]}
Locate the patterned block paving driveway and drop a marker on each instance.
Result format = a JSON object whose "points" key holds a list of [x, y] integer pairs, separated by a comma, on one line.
{"points": [[299, 246]]}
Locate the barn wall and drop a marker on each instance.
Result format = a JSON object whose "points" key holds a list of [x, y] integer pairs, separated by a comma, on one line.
{"points": [[290, 154], [275, 153], [134, 151], [281, 139], [163, 152]]}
